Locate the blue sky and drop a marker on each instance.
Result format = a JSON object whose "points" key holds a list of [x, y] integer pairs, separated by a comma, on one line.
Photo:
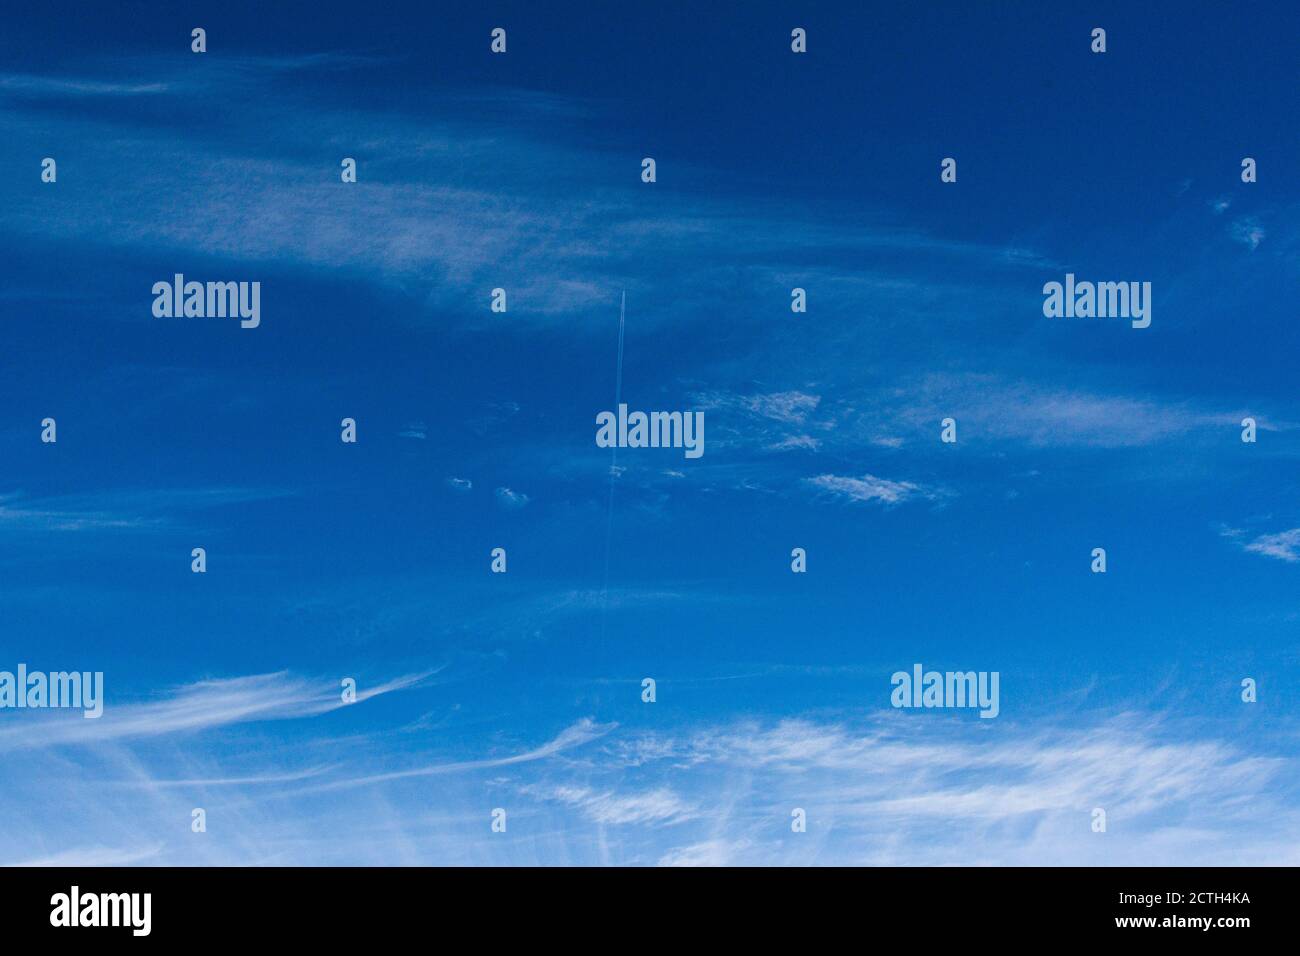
{"points": [[476, 430]]}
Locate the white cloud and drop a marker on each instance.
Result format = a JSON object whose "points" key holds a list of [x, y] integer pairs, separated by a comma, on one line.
{"points": [[989, 407], [414, 430], [706, 853], [660, 806], [796, 441], [156, 510], [576, 735], [867, 488], [1247, 231], [474, 197], [511, 499], [931, 792], [1285, 545], [95, 856], [790, 408], [189, 709], [74, 87], [885, 789]]}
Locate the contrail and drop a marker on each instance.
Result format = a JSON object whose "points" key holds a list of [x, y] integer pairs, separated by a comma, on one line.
{"points": [[613, 466]]}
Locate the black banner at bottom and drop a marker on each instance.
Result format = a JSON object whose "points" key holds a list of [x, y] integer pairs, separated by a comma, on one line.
{"points": [[1221, 906]]}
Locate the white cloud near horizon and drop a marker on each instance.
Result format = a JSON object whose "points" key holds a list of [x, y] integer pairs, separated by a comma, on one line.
{"points": [[882, 789], [192, 708], [894, 791]]}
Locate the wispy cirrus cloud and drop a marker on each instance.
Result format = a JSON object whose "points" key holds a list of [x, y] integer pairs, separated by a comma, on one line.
{"points": [[1044, 416], [868, 488], [1284, 545], [416, 430], [46, 516], [706, 853], [894, 792], [791, 407], [121, 509], [989, 407], [805, 442], [96, 856], [768, 421], [876, 789], [660, 806], [69, 86], [1248, 231], [579, 733], [184, 77], [484, 189], [189, 709], [508, 498]]}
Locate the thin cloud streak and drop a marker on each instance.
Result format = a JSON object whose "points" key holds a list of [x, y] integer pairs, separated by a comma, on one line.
{"points": [[576, 735], [190, 709]]}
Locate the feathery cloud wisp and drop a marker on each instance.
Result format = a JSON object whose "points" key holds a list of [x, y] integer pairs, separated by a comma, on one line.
{"points": [[868, 488]]}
